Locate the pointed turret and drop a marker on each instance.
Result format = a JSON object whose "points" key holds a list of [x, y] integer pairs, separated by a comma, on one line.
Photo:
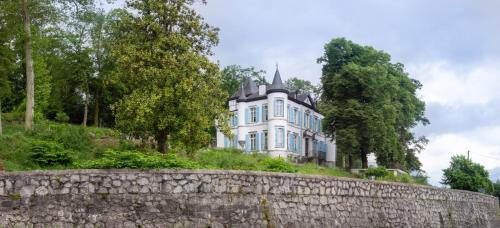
{"points": [[277, 85], [242, 96]]}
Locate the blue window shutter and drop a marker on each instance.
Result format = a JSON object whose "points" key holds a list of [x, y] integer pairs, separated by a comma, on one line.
{"points": [[225, 142], [283, 137], [275, 137], [247, 117], [257, 140], [247, 143], [300, 144], [257, 114], [311, 124], [300, 119], [319, 125]]}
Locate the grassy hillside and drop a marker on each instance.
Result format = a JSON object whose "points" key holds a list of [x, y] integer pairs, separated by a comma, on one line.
{"points": [[62, 146]]}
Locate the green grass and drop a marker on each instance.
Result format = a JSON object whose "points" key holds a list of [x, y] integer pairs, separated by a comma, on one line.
{"points": [[49, 144]]}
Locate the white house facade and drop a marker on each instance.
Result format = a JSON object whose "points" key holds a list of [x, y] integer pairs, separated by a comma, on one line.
{"points": [[277, 121]]}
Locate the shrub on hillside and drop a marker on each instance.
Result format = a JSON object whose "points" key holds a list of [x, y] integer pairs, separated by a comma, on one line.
{"points": [[62, 117], [115, 159], [376, 172], [48, 154], [229, 158], [277, 165], [69, 136]]}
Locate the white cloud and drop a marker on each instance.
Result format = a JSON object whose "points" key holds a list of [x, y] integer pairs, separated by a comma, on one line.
{"points": [[482, 142], [453, 85]]}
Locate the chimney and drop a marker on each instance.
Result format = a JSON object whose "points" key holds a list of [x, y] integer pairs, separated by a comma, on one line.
{"points": [[262, 89]]}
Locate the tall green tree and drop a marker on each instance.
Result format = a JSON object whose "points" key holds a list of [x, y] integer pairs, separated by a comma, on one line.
{"points": [[304, 86], [173, 90], [467, 175], [370, 105], [234, 75]]}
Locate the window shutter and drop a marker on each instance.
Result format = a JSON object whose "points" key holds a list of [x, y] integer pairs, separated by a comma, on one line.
{"points": [[300, 118], [247, 143], [225, 142], [258, 136], [288, 111], [319, 125], [283, 138], [275, 137], [235, 141], [257, 114], [300, 144], [311, 122], [275, 107], [247, 117]]}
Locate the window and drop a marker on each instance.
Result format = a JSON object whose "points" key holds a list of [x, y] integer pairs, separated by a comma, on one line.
{"points": [[234, 119], [280, 137], [306, 120], [253, 115], [296, 116], [253, 141], [315, 127], [264, 113], [264, 141], [279, 106], [294, 142]]}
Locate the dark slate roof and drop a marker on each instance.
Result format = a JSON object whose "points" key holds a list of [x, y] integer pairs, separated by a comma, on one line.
{"points": [[249, 91], [277, 83]]}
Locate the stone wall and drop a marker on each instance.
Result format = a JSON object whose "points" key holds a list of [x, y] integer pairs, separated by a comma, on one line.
{"points": [[188, 198]]}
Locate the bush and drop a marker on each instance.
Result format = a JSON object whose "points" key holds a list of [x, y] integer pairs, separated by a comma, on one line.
{"points": [[47, 154], [62, 117], [13, 117], [377, 172], [277, 165], [69, 136], [229, 159], [115, 159]]}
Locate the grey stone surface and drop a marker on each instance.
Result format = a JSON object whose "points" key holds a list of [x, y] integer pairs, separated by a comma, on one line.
{"points": [[208, 198]]}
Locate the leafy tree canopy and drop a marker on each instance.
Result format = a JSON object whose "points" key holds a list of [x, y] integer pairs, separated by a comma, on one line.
{"points": [[304, 86], [173, 90], [234, 75], [370, 105], [467, 175]]}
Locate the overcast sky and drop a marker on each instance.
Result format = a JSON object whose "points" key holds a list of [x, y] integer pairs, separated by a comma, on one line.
{"points": [[451, 46]]}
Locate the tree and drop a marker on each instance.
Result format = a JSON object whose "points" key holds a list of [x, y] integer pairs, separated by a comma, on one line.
{"points": [[234, 75], [304, 86], [370, 105], [496, 191], [467, 175], [173, 90], [30, 75]]}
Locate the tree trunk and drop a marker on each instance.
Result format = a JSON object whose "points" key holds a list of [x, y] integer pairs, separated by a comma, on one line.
{"points": [[364, 159], [30, 75], [162, 140], [1, 129], [85, 110], [96, 110], [351, 162]]}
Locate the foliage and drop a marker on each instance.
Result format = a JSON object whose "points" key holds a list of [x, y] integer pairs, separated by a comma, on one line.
{"points": [[278, 165], [229, 158], [303, 86], [496, 191], [173, 89], [47, 154], [377, 172], [137, 160], [467, 175], [69, 136], [313, 168], [370, 105], [62, 117], [234, 75]]}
